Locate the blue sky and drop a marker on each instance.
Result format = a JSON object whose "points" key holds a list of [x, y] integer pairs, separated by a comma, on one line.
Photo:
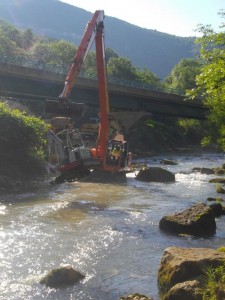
{"points": [[178, 17]]}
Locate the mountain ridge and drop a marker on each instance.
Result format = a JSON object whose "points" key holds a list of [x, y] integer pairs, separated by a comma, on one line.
{"points": [[146, 48]]}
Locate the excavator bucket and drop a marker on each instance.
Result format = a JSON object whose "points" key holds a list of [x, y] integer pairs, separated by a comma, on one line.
{"points": [[70, 109]]}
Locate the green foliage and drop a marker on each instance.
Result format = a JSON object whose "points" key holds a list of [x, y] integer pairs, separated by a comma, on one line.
{"points": [[110, 53], [210, 82], [61, 53], [221, 249], [155, 134], [23, 141], [193, 130], [183, 75], [188, 123], [214, 287], [147, 76], [89, 66], [122, 68]]}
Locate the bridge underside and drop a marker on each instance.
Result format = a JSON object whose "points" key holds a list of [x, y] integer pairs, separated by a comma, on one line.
{"points": [[85, 90]]}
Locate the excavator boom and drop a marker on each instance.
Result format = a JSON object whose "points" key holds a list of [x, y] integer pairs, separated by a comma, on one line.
{"points": [[82, 51]]}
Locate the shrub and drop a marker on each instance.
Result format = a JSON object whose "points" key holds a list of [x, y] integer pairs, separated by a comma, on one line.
{"points": [[22, 142]]}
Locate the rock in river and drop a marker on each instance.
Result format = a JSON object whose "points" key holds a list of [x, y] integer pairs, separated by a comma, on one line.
{"points": [[62, 276], [199, 220], [155, 174]]}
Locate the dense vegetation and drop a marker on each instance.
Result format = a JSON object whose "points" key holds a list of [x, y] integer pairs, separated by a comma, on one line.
{"points": [[22, 144], [210, 82]]}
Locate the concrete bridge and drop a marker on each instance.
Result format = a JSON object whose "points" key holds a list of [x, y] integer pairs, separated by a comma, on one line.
{"points": [[124, 95]]}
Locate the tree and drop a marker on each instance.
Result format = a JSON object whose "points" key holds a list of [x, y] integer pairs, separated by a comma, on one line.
{"points": [[183, 75], [9, 37], [61, 53], [211, 81], [27, 39], [110, 53], [89, 66], [147, 76], [11, 32], [41, 51], [122, 68]]}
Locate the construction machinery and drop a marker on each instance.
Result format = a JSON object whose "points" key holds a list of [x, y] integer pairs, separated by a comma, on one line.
{"points": [[110, 157]]}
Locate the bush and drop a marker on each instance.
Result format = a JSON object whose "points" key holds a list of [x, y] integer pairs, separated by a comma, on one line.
{"points": [[22, 143]]}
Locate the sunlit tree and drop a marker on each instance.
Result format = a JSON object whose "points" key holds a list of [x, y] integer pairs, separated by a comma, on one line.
{"points": [[147, 76], [183, 75], [120, 67], [211, 81]]}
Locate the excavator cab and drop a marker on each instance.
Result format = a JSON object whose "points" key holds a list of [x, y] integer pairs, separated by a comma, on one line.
{"points": [[117, 153]]}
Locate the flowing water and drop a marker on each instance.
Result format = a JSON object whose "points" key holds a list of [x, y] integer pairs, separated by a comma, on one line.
{"points": [[108, 232]]}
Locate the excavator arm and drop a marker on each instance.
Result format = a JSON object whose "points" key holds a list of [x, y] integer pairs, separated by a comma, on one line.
{"points": [[81, 53]]}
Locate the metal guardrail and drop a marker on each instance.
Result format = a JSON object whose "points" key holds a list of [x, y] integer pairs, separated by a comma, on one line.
{"points": [[39, 65]]}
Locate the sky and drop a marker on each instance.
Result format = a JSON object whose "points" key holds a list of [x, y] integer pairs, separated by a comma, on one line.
{"points": [[177, 17]]}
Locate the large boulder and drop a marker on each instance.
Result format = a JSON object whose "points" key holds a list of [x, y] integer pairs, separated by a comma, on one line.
{"points": [[199, 220], [62, 276], [155, 174], [188, 290], [181, 271]]}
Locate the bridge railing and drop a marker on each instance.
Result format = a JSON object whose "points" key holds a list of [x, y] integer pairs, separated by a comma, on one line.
{"points": [[39, 65]]}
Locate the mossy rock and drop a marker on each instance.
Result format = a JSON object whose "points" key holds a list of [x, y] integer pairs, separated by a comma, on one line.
{"points": [[198, 220], [220, 190], [217, 199], [179, 265], [219, 171], [221, 249], [217, 180]]}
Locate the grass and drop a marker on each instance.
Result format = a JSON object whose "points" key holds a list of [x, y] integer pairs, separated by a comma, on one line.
{"points": [[214, 286]]}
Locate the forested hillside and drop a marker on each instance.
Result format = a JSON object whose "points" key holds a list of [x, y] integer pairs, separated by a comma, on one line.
{"points": [[156, 51]]}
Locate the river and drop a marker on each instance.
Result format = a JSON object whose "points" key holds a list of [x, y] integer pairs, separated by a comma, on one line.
{"points": [[108, 232]]}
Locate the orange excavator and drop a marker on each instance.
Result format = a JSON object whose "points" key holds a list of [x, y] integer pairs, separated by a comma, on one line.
{"points": [[110, 157]]}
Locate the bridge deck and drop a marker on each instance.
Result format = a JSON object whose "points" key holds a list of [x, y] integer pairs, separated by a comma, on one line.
{"points": [[46, 83]]}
